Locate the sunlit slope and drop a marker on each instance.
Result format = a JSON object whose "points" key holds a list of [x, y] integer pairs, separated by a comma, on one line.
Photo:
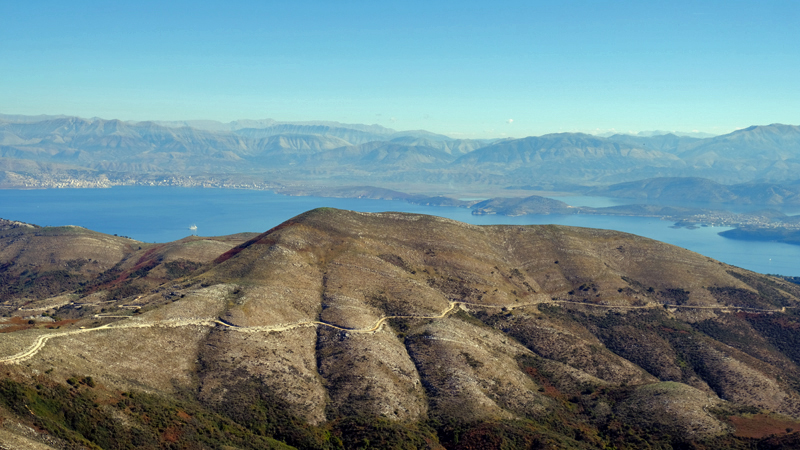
{"points": [[350, 269], [567, 336]]}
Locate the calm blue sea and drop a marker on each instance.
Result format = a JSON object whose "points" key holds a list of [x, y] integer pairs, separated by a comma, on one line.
{"points": [[161, 214]]}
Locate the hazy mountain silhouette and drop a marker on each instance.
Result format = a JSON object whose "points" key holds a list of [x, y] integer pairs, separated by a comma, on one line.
{"points": [[347, 153]]}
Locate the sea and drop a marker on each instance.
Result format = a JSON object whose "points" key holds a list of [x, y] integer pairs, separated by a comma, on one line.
{"points": [[163, 214]]}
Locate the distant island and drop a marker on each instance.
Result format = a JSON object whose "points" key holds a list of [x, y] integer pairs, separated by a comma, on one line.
{"points": [[785, 235], [768, 225]]}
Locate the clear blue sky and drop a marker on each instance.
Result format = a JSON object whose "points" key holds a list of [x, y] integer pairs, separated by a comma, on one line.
{"points": [[462, 68]]}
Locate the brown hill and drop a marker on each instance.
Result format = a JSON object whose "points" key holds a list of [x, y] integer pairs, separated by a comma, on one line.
{"points": [[348, 330], [37, 263]]}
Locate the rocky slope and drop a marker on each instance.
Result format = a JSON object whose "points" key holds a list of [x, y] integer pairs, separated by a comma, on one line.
{"points": [[339, 329]]}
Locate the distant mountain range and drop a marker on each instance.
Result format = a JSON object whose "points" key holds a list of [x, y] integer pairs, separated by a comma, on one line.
{"points": [[330, 152], [649, 133]]}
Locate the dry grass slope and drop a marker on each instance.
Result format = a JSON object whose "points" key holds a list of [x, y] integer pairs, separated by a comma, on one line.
{"points": [[561, 337]]}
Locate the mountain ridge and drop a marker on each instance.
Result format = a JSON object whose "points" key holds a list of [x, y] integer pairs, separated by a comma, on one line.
{"points": [[337, 326], [768, 153]]}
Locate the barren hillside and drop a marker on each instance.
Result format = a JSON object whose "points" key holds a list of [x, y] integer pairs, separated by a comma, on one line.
{"points": [[339, 329]]}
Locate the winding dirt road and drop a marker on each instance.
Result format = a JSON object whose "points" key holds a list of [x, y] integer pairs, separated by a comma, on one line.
{"points": [[41, 341]]}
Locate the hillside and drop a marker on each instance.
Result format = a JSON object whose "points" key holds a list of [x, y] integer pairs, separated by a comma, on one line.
{"points": [[339, 329], [678, 190]]}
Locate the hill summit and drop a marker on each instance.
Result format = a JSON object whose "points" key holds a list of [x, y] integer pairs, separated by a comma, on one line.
{"points": [[340, 329]]}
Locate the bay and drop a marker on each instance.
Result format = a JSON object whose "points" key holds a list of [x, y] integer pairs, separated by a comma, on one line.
{"points": [[162, 214]]}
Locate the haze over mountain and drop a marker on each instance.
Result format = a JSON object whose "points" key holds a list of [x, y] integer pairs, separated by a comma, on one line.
{"points": [[649, 133], [335, 153], [339, 329], [700, 190]]}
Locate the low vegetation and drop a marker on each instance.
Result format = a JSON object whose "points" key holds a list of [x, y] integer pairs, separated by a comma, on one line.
{"points": [[340, 330]]}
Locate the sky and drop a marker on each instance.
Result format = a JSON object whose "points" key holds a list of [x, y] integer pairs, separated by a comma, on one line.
{"points": [[471, 69]]}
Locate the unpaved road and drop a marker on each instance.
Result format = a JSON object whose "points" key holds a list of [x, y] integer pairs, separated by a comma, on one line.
{"points": [[42, 340]]}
